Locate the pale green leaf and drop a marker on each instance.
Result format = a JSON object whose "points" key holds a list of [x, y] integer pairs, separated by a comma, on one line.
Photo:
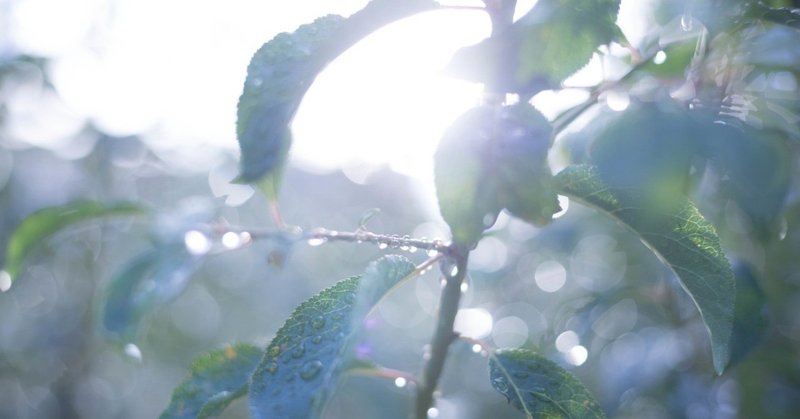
{"points": [[42, 224], [540, 388], [682, 238], [215, 380], [313, 347]]}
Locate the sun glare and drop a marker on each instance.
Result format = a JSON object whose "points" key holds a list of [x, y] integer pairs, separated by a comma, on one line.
{"points": [[386, 101]]}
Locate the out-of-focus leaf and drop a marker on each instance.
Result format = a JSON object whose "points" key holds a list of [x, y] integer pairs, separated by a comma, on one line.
{"points": [[539, 387], [315, 344], [215, 380], [38, 226], [551, 42], [750, 317], [756, 165], [681, 237], [153, 277], [648, 147], [782, 15], [282, 70], [492, 158]]}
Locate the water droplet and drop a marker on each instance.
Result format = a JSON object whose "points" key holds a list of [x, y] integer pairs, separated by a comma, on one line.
{"points": [[310, 370], [316, 339], [400, 382], [687, 22], [433, 412], [272, 367], [274, 351], [299, 351], [412, 249], [317, 241], [660, 57], [433, 252], [453, 270], [383, 245], [318, 322], [231, 240], [5, 281], [782, 232], [404, 248], [476, 348], [464, 287], [133, 351], [196, 242], [245, 237], [443, 283]]}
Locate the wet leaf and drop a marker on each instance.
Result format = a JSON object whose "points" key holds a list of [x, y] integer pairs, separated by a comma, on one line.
{"points": [[551, 42], [492, 158], [154, 277], [314, 346], [280, 73], [42, 224], [751, 317], [215, 380], [681, 237], [540, 388]]}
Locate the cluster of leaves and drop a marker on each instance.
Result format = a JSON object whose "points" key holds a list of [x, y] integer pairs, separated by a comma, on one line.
{"points": [[705, 103]]}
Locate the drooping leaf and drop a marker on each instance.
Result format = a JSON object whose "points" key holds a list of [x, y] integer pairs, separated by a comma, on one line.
{"points": [[154, 277], [313, 347], [42, 224], [681, 237], [492, 158], [215, 380], [539, 387], [282, 70], [551, 42]]}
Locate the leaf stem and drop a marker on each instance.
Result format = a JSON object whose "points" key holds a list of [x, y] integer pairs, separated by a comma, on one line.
{"points": [[443, 335]]}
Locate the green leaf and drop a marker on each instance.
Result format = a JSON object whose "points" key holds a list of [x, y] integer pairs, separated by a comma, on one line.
{"points": [[551, 42], [314, 346], [151, 278], [42, 224], [751, 317], [540, 388], [280, 73], [681, 237], [215, 380], [492, 158]]}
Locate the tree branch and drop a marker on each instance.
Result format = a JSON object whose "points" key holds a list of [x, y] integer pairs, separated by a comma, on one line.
{"points": [[444, 335]]}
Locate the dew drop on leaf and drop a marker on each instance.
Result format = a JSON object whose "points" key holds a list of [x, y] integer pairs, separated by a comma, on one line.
{"points": [[133, 351], [299, 351], [310, 370], [318, 322], [317, 241], [272, 367], [383, 245]]}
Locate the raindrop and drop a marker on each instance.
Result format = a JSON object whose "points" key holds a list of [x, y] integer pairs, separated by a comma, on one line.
{"points": [[687, 22], [577, 355], [231, 240], [383, 245], [133, 351], [245, 237], [299, 351], [453, 271], [464, 287], [476, 348], [400, 382], [274, 351], [412, 249], [316, 241], [310, 370], [5, 281], [660, 57], [618, 101], [318, 322], [196, 242], [443, 283], [433, 412], [272, 367], [784, 229]]}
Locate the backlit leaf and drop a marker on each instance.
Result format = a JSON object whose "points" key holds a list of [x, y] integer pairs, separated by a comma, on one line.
{"points": [[682, 238], [215, 380], [314, 346], [154, 277], [42, 224], [282, 70], [540, 388]]}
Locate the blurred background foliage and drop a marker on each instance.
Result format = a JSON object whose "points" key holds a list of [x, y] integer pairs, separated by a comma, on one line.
{"points": [[583, 291]]}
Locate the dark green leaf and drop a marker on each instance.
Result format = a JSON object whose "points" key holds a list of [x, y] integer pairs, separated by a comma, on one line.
{"points": [[153, 277], [493, 158], [750, 320], [540, 388], [782, 15], [281, 72], [314, 346], [38, 226], [681, 237], [551, 42], [215, 380]]}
